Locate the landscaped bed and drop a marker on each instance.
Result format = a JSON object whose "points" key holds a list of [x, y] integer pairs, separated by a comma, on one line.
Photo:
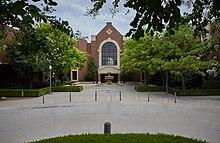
{"points": [[186, 92], [37, 92], [121, 138]]}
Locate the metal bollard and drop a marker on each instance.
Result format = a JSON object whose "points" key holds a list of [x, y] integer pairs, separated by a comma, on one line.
{"points": [[175, 98], [148, 98], [120, 95], [70, 97], [107, 128], [43, 99], [22, 93], [95, 95]]}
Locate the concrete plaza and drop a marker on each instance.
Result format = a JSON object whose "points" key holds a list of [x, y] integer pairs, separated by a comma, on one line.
{"points": [[28, 120]]}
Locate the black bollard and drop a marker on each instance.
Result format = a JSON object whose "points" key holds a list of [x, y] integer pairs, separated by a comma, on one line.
{"points": [[120, 95], [70, 97], [148, 98], [43, 99], [175, 98], [107, 128], [95, 95]]}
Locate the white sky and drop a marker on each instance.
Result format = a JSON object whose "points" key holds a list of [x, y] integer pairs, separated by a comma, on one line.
{"points": [[73, 11]]}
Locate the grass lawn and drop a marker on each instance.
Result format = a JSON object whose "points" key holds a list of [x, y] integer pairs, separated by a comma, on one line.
{"points": [[120, 138]]}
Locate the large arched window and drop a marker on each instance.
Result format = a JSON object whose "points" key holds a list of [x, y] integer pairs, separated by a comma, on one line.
{"points": [[109, 54]]}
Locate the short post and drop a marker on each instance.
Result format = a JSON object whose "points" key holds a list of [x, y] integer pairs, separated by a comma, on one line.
{"points": [[22, 93], [43, 99], [70, 97], [175, 97], [120, 95], [107, 128], [95, 95], [148, 98]]}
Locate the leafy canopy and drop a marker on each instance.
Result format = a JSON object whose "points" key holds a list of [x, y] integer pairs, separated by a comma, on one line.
{"points": [[159, 14]]}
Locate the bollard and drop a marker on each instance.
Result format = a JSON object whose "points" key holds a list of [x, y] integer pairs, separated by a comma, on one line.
{"points": [[148, 98], [107, 128], [175, 98], [95, 95], [22, 93], [43, 99], [70, 97], [120, 95]]}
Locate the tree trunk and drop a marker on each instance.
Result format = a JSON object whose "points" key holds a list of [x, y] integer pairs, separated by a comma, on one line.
{"points": [[162, 78], [145, 79], [30, 80], [167, 81], [183, 82]]}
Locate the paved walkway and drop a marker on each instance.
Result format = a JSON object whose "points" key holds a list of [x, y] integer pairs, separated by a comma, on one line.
{"points": [[27, 120]]}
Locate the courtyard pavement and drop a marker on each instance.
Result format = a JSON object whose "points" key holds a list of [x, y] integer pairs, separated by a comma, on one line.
{"points": [[132, 112]]}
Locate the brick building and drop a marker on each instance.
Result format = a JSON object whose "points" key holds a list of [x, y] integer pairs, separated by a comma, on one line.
{"points": [[105, 48]]}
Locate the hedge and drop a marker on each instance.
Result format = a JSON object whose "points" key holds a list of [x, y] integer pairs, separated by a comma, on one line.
{"points": [[179, 92], [194, 92], [121, 138], [62, 88], [26, 92], [150, 88]]}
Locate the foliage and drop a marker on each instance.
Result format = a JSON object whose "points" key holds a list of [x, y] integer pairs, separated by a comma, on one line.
{"points": [[149, 88], [60, 49], [195, 92], [92, 71], [26, 92], [24, 14], [62, 88], [157, 14], [121, 138], [27, 55], [141, 56], [185, 55]]}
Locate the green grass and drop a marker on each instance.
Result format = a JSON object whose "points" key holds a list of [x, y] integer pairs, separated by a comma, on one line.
{"points": [[121, 138]]}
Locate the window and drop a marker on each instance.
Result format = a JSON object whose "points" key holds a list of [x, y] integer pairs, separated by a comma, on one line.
{"points": [[109, 54], [74, 75]]}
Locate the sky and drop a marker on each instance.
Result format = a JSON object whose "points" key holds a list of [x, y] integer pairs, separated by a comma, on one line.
{"points": [[74, 12]]}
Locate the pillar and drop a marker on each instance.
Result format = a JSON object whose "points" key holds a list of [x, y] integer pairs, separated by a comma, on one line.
{"points": [[99, 78], [119, 78]]}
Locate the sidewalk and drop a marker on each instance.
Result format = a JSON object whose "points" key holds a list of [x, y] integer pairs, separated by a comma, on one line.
{"points": [[113, 93], [28, 120]]}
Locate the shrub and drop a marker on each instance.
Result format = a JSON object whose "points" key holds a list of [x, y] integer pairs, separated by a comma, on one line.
{"points": [[61, 88], [121, 138], [194, 92], [141, 88], [26, 92]]}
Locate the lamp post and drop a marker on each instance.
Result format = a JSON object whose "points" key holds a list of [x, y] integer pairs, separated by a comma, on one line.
{"points": [[50, 67]]}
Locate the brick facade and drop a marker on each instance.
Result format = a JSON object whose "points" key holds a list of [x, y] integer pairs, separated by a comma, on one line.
{"points": [[108, 34]]}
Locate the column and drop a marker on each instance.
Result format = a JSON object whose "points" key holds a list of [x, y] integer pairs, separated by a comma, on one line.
{"points": [[99, 78], [119, 78]]}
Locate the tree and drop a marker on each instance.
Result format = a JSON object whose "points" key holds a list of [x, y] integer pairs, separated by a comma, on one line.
{"points": [[159, 14], [60, 50], [27, 55], [141, 56], [92, 71], [24, 14], [185, 55]]}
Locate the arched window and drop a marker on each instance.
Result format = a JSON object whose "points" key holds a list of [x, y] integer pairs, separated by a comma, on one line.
{"points": [[109, 54]]}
